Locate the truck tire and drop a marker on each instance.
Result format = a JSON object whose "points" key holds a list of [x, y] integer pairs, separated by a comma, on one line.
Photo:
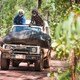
{"points": [[15, 63], [46, 63], [38, 66], [4, 63]]}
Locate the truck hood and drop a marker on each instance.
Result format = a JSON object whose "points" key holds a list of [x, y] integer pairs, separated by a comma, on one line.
{"points": [[29, 37]]}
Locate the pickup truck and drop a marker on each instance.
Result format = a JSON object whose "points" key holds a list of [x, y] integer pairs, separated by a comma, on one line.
{"points": [[27, 44]]}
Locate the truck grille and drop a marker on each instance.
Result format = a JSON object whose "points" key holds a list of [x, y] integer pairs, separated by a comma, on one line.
{"points": [[23, 48]]}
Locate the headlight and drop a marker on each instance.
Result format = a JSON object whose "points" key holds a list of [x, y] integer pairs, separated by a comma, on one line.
{"points": [[34, 50], [7, 47]]}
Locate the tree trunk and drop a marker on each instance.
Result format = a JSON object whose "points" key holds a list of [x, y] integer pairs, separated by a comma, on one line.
{"points": [[72, 64], [75, 1], [71, 3], [39, 3]]}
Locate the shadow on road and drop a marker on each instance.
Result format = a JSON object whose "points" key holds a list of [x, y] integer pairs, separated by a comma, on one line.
{"points": [[23, 73]]}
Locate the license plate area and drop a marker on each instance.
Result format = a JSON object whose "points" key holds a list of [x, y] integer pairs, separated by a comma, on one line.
{"points": [[20, 56]]}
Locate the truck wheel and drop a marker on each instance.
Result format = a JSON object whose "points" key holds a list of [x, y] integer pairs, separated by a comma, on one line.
{"points": [[4, 63], [46, 63], [15, 63], [38, 66]]}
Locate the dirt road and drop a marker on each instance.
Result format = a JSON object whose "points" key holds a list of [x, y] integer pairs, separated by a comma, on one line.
{"points": [[23, 73], [28, 73]]}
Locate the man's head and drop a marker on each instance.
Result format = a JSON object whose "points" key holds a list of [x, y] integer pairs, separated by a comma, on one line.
{"points": [[21, 12], [34, 12]]}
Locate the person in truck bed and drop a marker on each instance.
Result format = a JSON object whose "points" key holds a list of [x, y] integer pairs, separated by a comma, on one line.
{"points": [[20, 18], [36, 19]]}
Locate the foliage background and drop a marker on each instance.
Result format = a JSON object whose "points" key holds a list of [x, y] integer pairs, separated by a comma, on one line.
{"points": [[62, 16]]}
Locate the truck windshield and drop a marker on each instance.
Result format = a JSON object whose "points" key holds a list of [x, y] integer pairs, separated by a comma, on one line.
{"points": [[22, 28]]}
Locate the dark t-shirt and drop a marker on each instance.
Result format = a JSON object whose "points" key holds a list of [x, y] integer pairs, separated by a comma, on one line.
{"points": [[37, 20]]}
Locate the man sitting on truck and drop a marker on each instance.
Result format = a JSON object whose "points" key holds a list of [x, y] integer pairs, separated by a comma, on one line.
{"points": [[20, 18], [36, 19]]}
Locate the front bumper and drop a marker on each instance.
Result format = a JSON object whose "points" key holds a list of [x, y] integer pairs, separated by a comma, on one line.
{"points": [[22, 56]]}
